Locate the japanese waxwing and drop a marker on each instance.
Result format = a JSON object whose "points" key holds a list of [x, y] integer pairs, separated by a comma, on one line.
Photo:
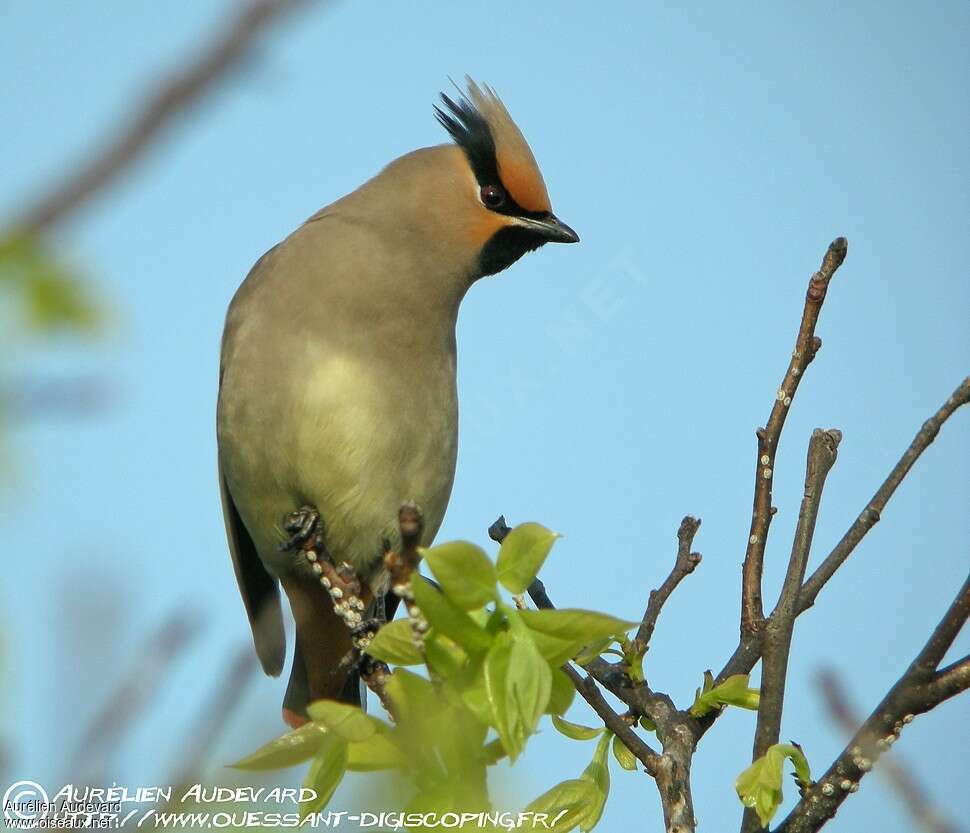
{"points": [[337, 385]]}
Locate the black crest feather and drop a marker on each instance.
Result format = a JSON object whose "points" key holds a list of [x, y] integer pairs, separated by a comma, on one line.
{"points": [[469, 128]]}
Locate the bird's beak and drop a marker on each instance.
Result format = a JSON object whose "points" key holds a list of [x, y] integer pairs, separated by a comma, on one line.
{"points": [[550, 228]]}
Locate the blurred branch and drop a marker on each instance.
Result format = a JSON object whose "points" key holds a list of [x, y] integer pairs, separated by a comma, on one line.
{"points": [[916, 692], [173, 95], [905, 786], [213, 717], [152, 662]]}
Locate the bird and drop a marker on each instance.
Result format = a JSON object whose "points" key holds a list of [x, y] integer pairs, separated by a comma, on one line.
{"points": [[337, 379]]}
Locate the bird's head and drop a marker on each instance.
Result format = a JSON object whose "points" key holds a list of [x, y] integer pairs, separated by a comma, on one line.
{"points": [[503, 208]]}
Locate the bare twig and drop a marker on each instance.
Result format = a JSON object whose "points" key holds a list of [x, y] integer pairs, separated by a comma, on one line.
{"points": [[807, 345], [822, 452], [684, 565], [150, 117], [873, 511], [748, 652], [616, 723], [904, 784], [916, 692]]}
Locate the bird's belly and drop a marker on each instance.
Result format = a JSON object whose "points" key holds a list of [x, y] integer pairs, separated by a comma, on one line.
{"points": [[363, 443]]}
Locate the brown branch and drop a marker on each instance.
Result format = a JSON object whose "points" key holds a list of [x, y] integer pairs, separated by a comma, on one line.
{"points": [[150, 117], [822, 453], [904, 784], [873, 511], [806, 346], [616, 723], [748, 651], [916, 692], [684, 565]]}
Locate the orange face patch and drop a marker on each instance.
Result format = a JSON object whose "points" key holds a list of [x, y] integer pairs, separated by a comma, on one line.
{"points": [[517, 167]]}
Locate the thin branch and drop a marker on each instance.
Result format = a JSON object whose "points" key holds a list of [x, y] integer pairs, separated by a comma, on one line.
{"points": [[871, 514], [748, 651], [904, 784], [173, 96], [951, 680], [807, 345], [616, 723], [822, 453], [684, 565], [914, 693]]}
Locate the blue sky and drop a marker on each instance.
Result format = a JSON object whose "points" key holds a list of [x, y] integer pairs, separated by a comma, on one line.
{"points": [[706, 157]]}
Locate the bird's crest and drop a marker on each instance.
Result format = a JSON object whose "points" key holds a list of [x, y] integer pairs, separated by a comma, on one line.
{"points": [[495, 147]]}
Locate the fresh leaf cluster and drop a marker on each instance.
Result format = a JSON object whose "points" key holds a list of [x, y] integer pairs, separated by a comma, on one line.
{"points": [[493, 671], [734, 691], [759, 786]]}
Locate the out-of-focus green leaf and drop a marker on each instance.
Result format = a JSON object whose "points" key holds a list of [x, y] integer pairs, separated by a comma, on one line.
{"points": [[759, 786], [394, 643], [53, 296], [624, 757], [563, 693], [593, 650], [443, 656], [522, 554], [575, 730], [287, 750], [325, 773], [598, 773], [560, 634], [449, 619], [566, 804], [345, 721], [734, 691], [465, 573], [375, 753], [412, 696]]}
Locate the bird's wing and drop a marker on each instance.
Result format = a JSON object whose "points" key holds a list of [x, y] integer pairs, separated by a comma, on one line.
{"points": [[260, 590]]}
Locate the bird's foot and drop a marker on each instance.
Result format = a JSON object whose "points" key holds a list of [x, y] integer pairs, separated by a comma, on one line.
{"points": [[305, 527]]}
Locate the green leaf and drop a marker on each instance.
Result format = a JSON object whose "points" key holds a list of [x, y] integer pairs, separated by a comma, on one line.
{"points": [[598, 773], [449, 619], [734, 691], [53, 295], [394, 643], [563, 693], [288, 750], [518, 684], [575, 730], [325, 773], [624, 757], [571, 798], [413, 696], [522, 554], [759, 786], [345, 721], [593, 650], [443, 656], [465, 573], [375, 753], [560, 634]]}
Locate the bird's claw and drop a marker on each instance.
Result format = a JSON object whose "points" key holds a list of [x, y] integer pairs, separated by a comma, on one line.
{"points": [[305, 526]]}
